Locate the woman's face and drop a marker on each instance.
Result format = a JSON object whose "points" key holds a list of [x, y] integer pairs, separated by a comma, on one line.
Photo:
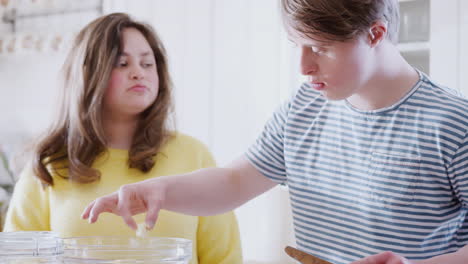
{"points": [[134, 82]]}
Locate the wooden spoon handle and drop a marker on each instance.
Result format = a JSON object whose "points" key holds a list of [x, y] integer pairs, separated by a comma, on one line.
{"points": [[303, 257]]}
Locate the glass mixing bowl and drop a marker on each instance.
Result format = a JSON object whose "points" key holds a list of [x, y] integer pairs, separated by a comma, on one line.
{"points": [[115, 249], [30, 247]]}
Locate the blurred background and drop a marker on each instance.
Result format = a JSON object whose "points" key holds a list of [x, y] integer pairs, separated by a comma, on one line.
{"points": [[231, 64]]}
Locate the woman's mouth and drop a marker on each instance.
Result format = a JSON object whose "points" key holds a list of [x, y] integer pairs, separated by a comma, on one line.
{"points": [[138, 88]]}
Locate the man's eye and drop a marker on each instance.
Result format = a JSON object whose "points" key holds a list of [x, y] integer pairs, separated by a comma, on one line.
{"points": [[316, 49]]}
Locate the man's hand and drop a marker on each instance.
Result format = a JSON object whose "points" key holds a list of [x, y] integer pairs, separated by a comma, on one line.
{"points": [[383, 258], [146, 196], [203, 192]]}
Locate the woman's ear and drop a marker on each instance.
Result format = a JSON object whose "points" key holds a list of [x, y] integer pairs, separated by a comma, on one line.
{"points": [[377, 32]]}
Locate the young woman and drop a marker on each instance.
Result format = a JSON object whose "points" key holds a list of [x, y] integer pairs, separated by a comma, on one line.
{"points": [[113, 129]]}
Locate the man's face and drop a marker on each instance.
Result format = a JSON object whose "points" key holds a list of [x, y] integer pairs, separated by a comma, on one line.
{"points": [[337, 69]]}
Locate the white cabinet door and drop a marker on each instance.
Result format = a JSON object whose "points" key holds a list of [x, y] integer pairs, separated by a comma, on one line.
{"points": [[431, 32], [444, 54], [231, 70], [463, 56], [249, 68], [185, 28], [246, 74]]}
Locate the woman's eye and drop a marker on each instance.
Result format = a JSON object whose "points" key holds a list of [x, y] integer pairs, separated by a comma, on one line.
{"points": [[122, 64], [147, 65]]}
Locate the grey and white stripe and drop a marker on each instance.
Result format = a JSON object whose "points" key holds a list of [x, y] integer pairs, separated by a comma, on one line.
{"points": [[362, 182]]}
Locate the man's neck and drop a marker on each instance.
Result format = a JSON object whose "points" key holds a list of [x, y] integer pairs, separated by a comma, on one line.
{"points": [[393, 78]]}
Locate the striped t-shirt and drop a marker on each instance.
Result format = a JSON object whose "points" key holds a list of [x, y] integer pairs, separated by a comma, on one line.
{"points": [[363, 182]]}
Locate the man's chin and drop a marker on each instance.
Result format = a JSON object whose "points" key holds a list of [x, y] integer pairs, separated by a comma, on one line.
{"points": [[334, 97]]}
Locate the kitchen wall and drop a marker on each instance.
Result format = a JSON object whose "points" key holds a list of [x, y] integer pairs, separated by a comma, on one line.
{"points": [[231, 65]]}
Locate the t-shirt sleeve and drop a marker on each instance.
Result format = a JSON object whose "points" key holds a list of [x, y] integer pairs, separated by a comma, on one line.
{"points": [[458, 172], [29, 206], [267, 153]]}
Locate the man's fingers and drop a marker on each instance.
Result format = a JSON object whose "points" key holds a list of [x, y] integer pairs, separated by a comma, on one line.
{"points": [[124, 199], [87, 210], [383, 258], [99, 206], [152, 214], [126, 202]]}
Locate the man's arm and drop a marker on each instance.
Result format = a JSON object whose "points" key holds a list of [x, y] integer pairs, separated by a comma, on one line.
{"points": [[215, 190], [203, 192]]}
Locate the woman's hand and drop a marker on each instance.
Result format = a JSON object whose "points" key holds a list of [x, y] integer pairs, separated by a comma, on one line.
{"points": [[383, 258], [131, 199]]}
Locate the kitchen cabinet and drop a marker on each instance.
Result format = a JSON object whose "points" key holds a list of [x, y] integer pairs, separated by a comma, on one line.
{"points": [[432, 37], [463, 56]]}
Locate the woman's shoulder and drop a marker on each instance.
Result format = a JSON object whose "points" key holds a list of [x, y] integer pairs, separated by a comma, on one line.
{"points": [[187, 142], [189, 148], [27, 179]]}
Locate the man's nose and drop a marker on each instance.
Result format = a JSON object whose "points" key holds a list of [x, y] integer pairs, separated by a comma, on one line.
{"points": [[308, 61]]}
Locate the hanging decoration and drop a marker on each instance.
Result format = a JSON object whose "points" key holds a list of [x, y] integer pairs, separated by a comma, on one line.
{"points": [[43, 25]]}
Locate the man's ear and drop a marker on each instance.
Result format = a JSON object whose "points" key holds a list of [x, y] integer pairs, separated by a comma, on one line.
{"points": [[377, 32]]}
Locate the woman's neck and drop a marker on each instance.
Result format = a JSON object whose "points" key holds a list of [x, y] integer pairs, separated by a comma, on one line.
{"points": [[119, 131]]}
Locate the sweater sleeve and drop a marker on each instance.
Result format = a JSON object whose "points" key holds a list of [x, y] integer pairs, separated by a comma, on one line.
{"points": [[29, 206], [218, 238]]}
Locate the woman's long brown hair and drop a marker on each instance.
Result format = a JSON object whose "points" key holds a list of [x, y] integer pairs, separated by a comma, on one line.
{"points": [[76, 137]]}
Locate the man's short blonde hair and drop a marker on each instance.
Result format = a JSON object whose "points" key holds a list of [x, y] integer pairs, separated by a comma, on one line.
{"points": [[340, 20]]}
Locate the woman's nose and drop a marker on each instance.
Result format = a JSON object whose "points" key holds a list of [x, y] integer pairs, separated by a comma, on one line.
{"points": [[136, 73]]}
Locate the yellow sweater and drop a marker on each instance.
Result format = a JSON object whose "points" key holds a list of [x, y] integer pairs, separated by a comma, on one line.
{"points": [[215, 238]]}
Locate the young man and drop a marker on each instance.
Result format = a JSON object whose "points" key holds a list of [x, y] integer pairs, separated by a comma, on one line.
{"points": [[374, 153]]}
